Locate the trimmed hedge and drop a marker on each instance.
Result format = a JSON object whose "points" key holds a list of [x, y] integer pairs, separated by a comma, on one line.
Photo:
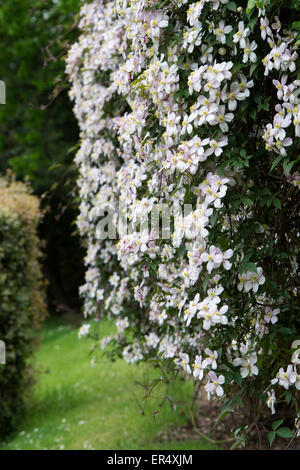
{"points": [[22, 305]]}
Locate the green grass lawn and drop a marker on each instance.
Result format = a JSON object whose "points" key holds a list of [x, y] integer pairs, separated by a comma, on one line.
{"points": [[77, 406]]}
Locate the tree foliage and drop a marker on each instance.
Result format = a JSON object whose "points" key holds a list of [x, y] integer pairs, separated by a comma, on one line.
{"points": [[38, 130]]}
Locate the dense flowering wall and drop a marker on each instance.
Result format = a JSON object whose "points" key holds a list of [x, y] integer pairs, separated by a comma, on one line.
{"points": [[194, 103]]}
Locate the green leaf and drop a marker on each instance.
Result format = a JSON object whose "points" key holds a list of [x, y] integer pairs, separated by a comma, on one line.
{"points": [[236, 68], [252, 68], [276, 161], [237, 400], [238, 378], [287, 166], [251, 267], [276, 424], [277, 203], [231, 6], [288, 396], [205, 281], [271, 437], [251, 4], [285, 331], [213, 218], [285, 433], [225, 410], [246, 201]]}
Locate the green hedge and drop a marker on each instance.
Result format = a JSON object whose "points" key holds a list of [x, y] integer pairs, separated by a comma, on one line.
{"points": [[22, 304]]}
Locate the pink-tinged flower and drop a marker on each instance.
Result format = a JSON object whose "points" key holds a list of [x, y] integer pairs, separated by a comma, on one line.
{"points": [[84, 330], [248, 366], [233, 95], [157, 20], [279, 124], [264, 28], [219, 314], [214, 384], [222, 118], [288, 377], [250, 280], [280, 86], [204, 307], [198, 368], [186, 125], [271, 315], [192, 309], [211, 359], [184, 362], [195, 80], [226, 256], [213, 258], [207, 316], [221, 30], [207, 114], [281, 144], [213, 294], [277, 24], [241, 34], [216, 145], [280, 55], [249, 54], [296, 123], [245, 85]]}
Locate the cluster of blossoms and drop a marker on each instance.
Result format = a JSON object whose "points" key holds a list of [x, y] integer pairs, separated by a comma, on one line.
{"points": [[163, 98]]}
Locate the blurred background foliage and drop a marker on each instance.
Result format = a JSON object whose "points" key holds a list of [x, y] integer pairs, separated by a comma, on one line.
{"points": [[22, 306], [39, 132]]}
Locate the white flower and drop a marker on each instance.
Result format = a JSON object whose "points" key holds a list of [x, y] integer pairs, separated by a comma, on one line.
{"points": [[213, 258], [296, 354], [84, 330], [264, 28], [248, 365], [216, 145], [288, 377], [271, 401], [222, 118], [271, 315], [122, 324], [249, 54], [251, 280], [211, 359], [226, 256], [241, 34], [221, 30], [214, 384], [198, 368], [245, 85], [152, 340], [184, 362], [219, 314]]}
